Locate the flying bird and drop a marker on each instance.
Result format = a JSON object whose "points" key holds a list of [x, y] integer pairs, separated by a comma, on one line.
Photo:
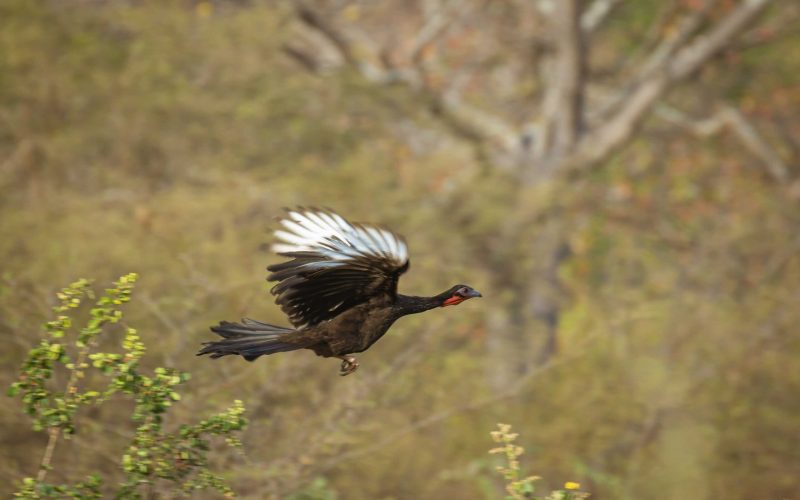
{"points": [[338, 288]]}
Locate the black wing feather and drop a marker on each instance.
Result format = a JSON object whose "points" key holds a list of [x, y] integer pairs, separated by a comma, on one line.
{"points": [[335, 265]]}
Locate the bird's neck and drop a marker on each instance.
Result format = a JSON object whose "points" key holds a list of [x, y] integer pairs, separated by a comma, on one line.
{"points": [[409, 304]]}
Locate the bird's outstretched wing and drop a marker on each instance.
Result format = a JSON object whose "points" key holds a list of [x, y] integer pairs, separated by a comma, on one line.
{"points": [[335, 265]]}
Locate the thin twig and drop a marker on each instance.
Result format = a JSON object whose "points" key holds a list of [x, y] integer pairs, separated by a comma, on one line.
{"points": [[53, 433], [44, 466]]}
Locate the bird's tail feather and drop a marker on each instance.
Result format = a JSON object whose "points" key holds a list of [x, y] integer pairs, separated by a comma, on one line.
{"points": [[250, 339]]}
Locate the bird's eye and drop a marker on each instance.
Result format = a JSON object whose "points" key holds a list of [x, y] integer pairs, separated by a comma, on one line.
{"points": [[463, 291]]}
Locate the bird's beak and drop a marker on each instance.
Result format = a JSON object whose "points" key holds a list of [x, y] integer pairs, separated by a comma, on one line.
{"points": [[474, 293]]}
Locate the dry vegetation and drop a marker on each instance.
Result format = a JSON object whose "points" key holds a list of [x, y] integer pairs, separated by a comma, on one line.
{"points": [[640, 278]]}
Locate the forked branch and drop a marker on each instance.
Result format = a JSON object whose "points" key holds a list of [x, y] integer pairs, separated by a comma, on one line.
{"points": [[565, 141]]}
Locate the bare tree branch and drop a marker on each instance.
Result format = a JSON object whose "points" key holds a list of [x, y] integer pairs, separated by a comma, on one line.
{"points": [[464, 120], [344, 47], [732, 119], [753, 141], [569, 73], [596, 14], [436, 23], [688, 60], [317, 22], [302, 57], [607, 137], [778, 29], [562, 103], [661, 55], [704, 127], [657, 59]]}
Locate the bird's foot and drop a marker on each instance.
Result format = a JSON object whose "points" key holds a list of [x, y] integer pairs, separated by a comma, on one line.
{"points": [[349, 365]]}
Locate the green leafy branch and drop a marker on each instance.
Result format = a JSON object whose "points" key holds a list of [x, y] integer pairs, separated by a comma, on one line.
{"points": [[179, 457], [517, 487]]}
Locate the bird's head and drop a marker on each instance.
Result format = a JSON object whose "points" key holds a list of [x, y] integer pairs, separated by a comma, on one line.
{"points": [[459, 294]]}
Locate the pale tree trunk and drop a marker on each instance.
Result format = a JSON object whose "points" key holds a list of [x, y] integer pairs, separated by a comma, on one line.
{"points": [[506, 336], [546, 296]]}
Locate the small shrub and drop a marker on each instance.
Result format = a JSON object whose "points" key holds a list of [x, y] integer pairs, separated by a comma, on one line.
{"points": [[519, 488], [155, 459]]}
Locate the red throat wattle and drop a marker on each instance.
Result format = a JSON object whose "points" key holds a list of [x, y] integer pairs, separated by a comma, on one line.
{"points": [[455, 299]]}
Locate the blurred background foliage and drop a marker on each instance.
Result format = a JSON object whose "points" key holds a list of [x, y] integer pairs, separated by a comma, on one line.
{"points": [[163, 138]]}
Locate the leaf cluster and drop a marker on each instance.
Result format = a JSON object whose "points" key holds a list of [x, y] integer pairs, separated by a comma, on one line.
{"points": [[180, 457]]}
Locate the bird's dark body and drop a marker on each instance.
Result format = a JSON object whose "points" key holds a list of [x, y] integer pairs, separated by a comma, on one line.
{"points": [[339, 290], [354, 330]]}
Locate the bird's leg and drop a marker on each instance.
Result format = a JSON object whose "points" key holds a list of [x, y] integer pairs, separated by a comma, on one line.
{"points": [[349, 365]]}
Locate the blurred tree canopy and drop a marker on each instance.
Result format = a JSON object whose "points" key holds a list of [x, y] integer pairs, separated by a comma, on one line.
{"points": [[620, 179]]}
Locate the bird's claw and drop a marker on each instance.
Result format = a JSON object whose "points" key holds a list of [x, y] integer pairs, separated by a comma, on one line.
{"points": [[349, 365]]}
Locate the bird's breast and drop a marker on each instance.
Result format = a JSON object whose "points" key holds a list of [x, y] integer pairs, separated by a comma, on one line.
{"points": [[360, 327]]}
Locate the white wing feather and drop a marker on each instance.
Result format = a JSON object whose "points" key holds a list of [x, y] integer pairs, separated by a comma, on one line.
{"points": [[331, 235]]}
